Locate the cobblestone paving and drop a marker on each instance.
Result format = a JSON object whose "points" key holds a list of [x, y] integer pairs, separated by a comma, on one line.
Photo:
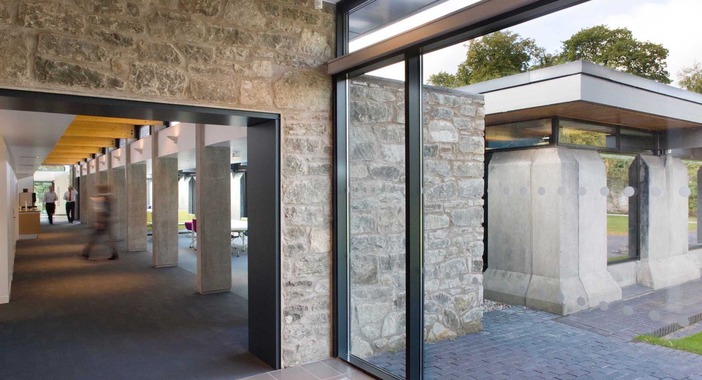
{"points": [[596, 344]]}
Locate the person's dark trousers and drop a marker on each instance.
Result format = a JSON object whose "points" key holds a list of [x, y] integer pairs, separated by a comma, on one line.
{"points": [[70, 211], [50, 208]]}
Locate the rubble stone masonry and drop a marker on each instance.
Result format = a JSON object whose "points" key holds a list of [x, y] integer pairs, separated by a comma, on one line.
{"points": [[453, 127]]}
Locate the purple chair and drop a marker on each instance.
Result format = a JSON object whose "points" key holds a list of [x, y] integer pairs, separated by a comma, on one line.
{"points": [[192, 227]]}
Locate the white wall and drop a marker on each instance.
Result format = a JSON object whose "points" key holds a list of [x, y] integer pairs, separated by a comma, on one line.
{"points": [[8, 223], [236, 195], [184, 194]]}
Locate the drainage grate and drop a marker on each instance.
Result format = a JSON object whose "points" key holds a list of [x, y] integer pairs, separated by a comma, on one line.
{"points": [[663, 331]]}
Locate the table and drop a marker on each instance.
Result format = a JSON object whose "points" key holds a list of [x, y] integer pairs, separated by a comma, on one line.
{"points": [[29, 224], [239, 229]]}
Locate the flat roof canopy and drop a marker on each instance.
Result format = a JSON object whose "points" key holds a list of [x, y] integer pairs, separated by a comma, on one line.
{"points": [[585, 91]]}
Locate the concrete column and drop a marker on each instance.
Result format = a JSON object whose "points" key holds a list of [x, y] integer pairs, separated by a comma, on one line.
{"points": [[90, 183], [136, 206], [118, 187], [165, 209], [547, 230], [599, 284], [213, 173], [660, 216], [83, 199]]}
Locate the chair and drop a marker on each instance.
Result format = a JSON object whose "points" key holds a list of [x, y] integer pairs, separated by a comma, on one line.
{"points": [[243, 235], [192, 227]]}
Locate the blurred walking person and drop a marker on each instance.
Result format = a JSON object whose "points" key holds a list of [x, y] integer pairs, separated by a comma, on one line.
{"points": [[101, 215]]}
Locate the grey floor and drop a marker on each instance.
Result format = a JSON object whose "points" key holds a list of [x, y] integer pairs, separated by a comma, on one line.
{"points": [[187, 259], [71, 318], [599, 343]]}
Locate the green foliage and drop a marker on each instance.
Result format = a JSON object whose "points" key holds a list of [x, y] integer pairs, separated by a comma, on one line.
{"points": [[506, 53], [690, 78], [444, 79], [692, 167], [589, 138], [692, 343], [619, 50], [493, 56], [41, 187]]}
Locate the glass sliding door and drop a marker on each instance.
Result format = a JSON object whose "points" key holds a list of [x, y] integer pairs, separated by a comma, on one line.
{"points": [[376, 216]]}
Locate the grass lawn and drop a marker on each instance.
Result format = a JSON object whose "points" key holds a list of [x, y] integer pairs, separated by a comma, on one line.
{"points": [[692, 343], [619, 224]]}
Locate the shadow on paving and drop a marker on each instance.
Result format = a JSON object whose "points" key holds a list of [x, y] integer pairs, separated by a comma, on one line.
{"points": [[71, 318]]}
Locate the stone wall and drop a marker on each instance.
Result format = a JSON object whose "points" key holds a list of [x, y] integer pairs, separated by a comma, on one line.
{"points": [[263, 55], [454, 153]]}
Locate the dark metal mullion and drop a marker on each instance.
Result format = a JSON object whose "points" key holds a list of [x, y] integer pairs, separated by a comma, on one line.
{"points": [[340, 201], [414, 219]]}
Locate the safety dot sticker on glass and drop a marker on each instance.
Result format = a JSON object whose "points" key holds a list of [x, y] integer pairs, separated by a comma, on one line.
{"points": [[523, 191], [582, 190], [541, 190], [629, 191], [656, 191], [654, 315], [561, 190], [604, 191], [628, 311], [604, 306], [685, 191], [683, 321]]}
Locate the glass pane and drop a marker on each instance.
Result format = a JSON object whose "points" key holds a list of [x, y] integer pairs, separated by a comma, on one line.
{"points": [[376, 154], [514, 135], [693, 231], [618, 194], [555, 215], [580, 133], [454, 148], [382, 19], [636, 141]]}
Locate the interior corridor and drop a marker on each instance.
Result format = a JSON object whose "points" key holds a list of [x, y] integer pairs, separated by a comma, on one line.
{"points": [[71, 318]]}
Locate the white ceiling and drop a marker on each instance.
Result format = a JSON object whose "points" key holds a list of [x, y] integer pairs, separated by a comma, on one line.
{"points": [[30, 136]]}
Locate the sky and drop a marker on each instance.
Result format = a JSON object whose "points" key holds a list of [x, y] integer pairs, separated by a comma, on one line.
{"points": [[675, 24]]}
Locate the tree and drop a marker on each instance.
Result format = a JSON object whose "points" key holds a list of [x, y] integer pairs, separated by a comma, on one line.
{"points": [[493, 56], [690, 78], [619, 50], [444, 79]]}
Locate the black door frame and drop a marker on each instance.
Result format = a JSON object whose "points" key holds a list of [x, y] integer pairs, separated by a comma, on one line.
{"points": [[264, 314]]}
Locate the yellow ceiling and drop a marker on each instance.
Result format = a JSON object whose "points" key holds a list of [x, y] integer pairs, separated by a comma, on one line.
{"points": [[87, 135]]}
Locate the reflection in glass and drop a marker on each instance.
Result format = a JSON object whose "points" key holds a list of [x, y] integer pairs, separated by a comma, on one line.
{"points": [[691, 191], [636, 141], [382, 19], [376, 158], [454, 164], [582, 133], [618, 195], [520, 134]]}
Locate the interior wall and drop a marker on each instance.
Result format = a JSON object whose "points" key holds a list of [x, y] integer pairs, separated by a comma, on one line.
{"points": [[8, 223], [236, 195], [184, 194]]}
